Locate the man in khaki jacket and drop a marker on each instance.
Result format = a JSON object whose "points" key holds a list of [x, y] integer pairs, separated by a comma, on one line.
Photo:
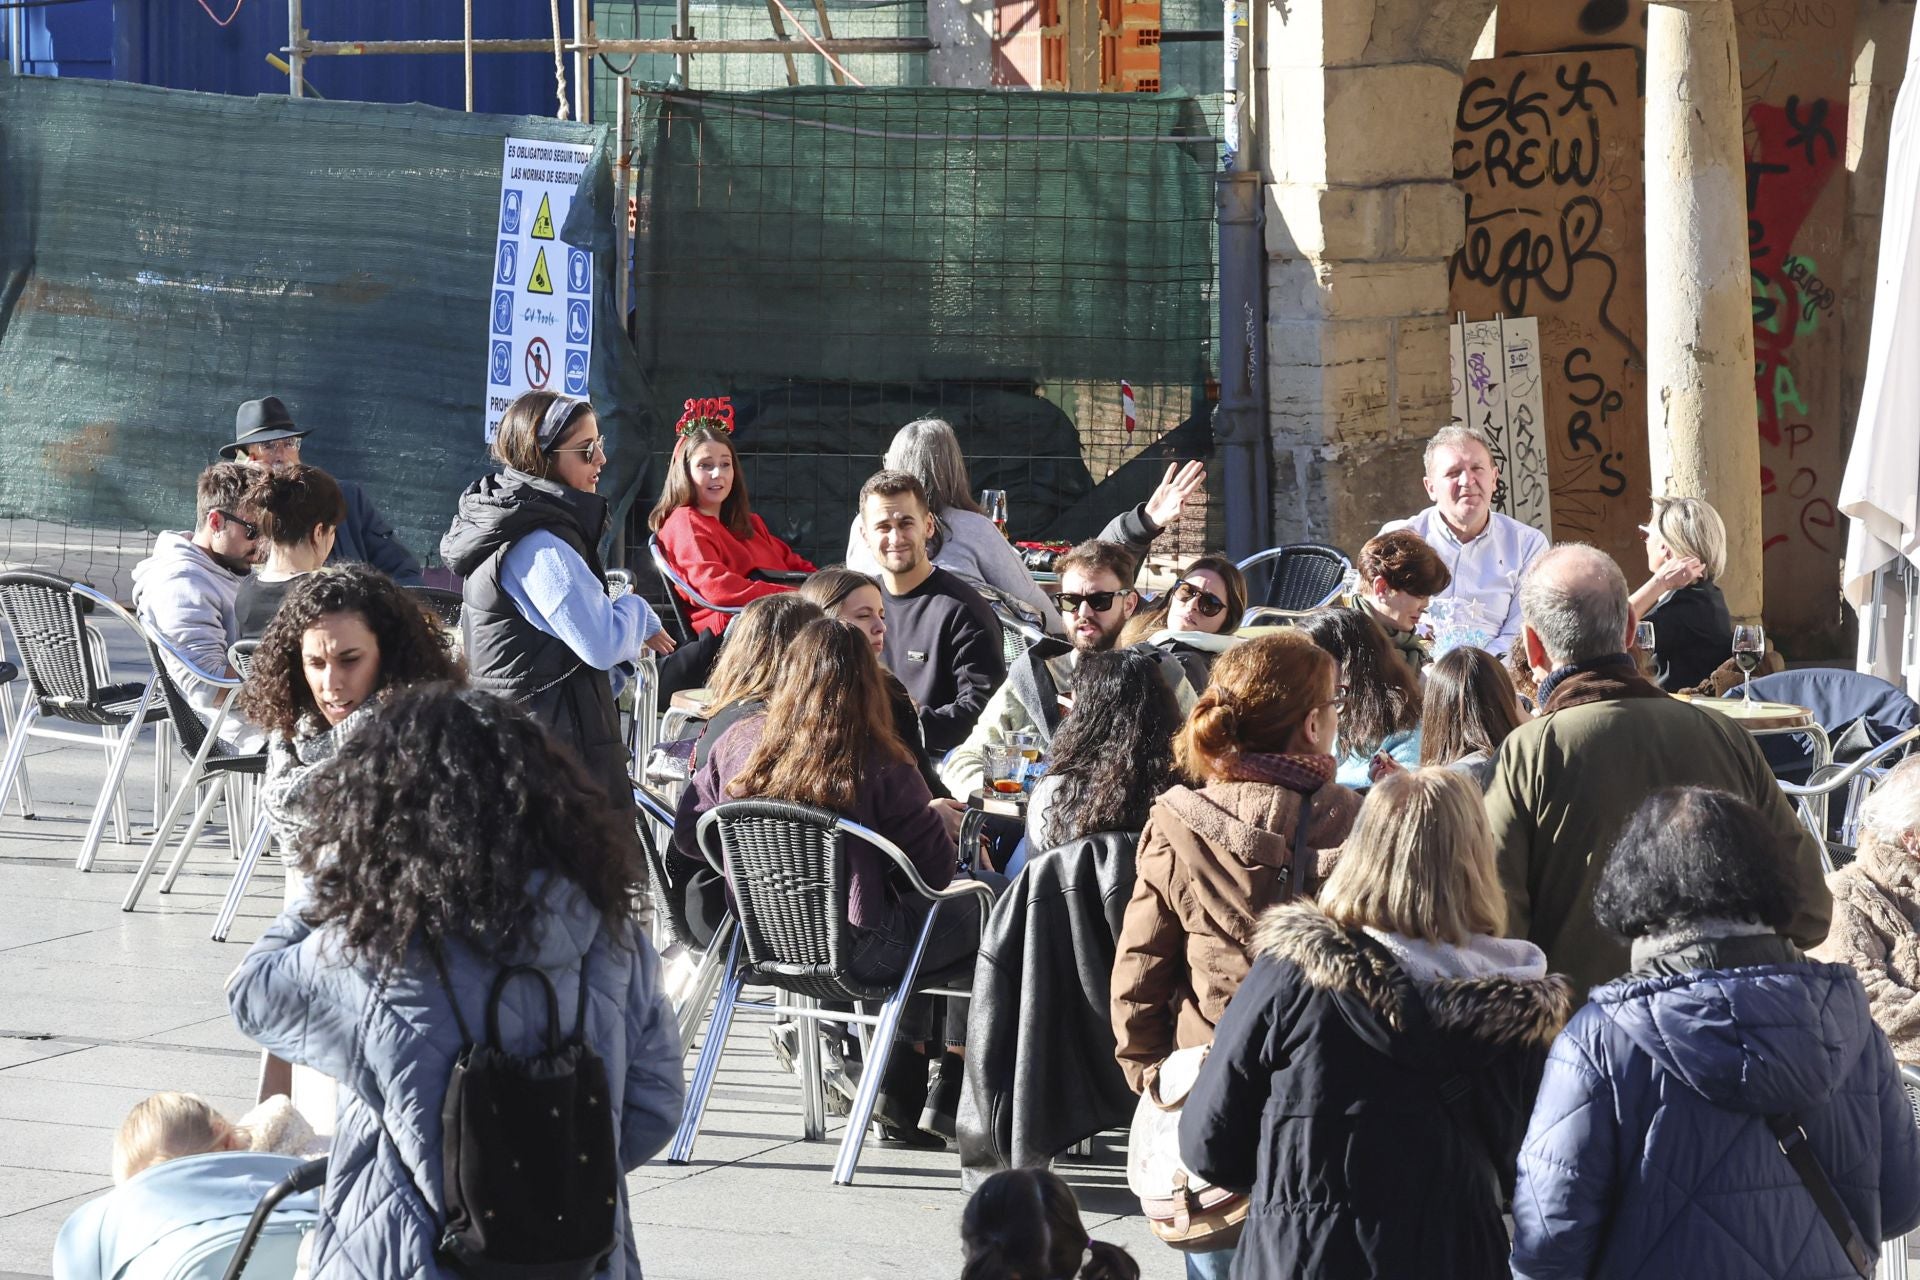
{"points": [[1607, 738]]}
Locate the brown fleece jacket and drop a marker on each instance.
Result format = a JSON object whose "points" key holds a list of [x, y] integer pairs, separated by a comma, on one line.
{"points": [[1876, 929], [1210, 862]]}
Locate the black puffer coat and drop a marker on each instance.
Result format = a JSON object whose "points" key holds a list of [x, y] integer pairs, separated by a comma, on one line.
{"points": [[1373, 1145]]}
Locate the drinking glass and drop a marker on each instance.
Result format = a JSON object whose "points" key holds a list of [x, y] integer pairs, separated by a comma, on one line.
{"points": [[1643, 637], [994, 503], [1749, 642]]}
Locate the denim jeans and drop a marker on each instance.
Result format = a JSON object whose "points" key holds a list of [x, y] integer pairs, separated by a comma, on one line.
{"points": [[1211, 1265], [880, 955]]}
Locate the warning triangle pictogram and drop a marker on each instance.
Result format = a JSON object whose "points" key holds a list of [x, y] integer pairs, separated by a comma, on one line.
{"points": [[540, 281], [543, 221]]}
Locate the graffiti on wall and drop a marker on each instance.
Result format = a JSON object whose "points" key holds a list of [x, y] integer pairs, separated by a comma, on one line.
{"points": [[1794, 63], [1496, 374], [1547, 153]]}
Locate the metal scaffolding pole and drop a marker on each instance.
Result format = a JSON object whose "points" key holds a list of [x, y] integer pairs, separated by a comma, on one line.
{"points": [[583, 51], [296, 46], [846, 44], [467, 39]]}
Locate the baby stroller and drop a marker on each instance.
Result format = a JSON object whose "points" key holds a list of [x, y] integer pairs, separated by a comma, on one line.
{"points": [[268, 1248]]}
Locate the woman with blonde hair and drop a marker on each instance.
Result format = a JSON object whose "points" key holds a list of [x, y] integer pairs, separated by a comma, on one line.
{"points": [[1371, 1082], [1258, 746], [1686, 553]]}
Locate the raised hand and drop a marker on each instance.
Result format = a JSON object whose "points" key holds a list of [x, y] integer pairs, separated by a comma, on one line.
{"points": [[1180, 483]]}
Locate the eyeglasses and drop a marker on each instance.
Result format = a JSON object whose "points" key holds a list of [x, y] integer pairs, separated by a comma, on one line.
{"points": [[247, 527], [1098, 601], [594, 447], [1338, 701], [1210, 604]]}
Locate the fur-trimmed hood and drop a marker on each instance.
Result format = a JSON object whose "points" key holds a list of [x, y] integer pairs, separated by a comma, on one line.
{"points": [[1499, 1010]]}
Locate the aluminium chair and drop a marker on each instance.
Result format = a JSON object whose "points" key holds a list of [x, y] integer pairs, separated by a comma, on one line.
{"points": [[211, 763], [1858, 776], [680, 592], [22, 785], [1894, 1264], [787, 867], [1017, 635], [1295, 578], [670, 916], [68, 679], [240, 657]]}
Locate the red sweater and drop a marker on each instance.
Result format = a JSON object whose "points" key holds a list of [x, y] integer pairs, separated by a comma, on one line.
{"points": [[716, 564]]}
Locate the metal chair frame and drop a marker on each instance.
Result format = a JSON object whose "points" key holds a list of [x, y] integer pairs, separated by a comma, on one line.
{"points": [[209, 760], [1304, 550], [70, 679], [1893, 1253], [22, 785], [1857, 776], [657, 823], [680, 592], [876, 1030], [240, 657], [1017, 635]]}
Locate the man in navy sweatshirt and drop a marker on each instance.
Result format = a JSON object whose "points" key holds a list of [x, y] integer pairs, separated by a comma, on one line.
{"points": [[943, 641]]}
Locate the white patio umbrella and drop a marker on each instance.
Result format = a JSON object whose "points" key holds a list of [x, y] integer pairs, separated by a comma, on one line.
{"points": [[1880, 491]]}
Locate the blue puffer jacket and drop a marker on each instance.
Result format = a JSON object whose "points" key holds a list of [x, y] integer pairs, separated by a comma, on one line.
{"points": [[391, 1040], [1649, 1152]]}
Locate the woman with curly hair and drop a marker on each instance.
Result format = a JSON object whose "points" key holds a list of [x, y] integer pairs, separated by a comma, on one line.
{"points": [[1380, 718], [1112, 757], [460, 839]]}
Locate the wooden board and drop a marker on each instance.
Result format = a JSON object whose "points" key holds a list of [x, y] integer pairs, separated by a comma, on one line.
{"points": [[1495, 370], [1557, 26], [1548, 152], [1794, 60]]}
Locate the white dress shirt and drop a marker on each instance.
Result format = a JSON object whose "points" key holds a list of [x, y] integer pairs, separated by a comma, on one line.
{"points": [[1482, 603]]}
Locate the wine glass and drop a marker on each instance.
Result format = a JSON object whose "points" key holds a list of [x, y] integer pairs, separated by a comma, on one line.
{"points": [[1749, 642], [994, 503], [1643, 637]]}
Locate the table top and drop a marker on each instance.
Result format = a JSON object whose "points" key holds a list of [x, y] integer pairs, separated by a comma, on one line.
{"points": [[692, 701], [1002, 804], [1755, 715]]}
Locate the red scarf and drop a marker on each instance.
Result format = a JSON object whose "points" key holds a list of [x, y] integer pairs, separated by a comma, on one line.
{"points": [[1296, 771]]}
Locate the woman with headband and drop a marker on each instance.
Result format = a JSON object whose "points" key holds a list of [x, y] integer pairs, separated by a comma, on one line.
{"points": [[539, 627]]}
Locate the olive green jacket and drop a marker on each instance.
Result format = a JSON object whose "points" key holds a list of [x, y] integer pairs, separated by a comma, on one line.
{"points": [[1565, 786]]}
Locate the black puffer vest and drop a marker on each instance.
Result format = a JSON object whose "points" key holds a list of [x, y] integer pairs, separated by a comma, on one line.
{"points": [[507, 654]]}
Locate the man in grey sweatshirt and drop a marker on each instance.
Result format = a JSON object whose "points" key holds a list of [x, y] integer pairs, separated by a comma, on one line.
{"points": [[185, 590]]}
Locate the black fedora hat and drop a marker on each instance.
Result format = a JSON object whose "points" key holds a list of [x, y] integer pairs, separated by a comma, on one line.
{"points": [[260, 422]]}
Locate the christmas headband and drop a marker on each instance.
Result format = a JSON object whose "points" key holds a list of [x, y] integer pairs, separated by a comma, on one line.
{"points": [[715, 411]]}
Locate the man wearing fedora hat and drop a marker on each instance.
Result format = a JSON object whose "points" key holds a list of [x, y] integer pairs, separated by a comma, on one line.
{"points": [[265, 435]]}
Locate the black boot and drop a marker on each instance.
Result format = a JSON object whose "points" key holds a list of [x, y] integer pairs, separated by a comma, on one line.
{"points": [[903, 1094], [943, 1096]]}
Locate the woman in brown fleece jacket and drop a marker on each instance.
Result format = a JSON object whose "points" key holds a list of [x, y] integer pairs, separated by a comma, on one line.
{"points": [[1259, 742], [1876, 909]]}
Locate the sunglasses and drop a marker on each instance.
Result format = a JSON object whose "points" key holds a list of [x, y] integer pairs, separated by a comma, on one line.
{"points": [[596, 446], [247, 527], [1210, 604], [1098, 601]]}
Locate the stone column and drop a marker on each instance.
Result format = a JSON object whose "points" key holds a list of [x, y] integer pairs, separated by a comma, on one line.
{"points": [[1703, 430], [1362, 216]]}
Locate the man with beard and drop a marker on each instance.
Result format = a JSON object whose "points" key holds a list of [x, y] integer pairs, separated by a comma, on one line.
{"points": [[1096, 598], [942, 642], [185, 590]]}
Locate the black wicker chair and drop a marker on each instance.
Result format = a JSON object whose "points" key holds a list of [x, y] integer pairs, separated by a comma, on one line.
{"points": [[1296, 578], [1017, 635], [67, 680], [680, 593], [209, 760], [444, 604], [787, 867]]}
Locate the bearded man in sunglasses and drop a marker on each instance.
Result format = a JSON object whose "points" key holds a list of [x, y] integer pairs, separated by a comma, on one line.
{"points": [[185, 590], [1095, 599]]}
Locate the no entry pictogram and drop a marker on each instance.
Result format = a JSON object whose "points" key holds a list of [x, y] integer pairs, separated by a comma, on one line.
{"points": [[539, 363]]}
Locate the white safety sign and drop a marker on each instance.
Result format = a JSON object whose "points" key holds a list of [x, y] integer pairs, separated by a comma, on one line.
{"points": [[540, 333]]}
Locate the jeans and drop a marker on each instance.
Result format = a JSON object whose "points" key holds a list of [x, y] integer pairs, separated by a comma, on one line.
{"points": [[1211, 1265], [880, 955]]}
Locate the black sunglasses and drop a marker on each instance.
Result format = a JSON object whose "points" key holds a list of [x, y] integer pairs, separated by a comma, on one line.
{"points": [[248, 527], [1100, 601], [1210, 604]]}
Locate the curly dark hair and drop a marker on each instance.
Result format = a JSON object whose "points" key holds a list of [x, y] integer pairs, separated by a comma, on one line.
{"points": [[1114, 754], [276, 695], [434, 814], [1383, 695], [1690, 853]]}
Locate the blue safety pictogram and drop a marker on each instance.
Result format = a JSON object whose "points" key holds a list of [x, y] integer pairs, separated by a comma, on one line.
{"points": [[509, 261], [576, 373], [576, 271], [510, 215], [577, 321], [502, 372], [503, 311]]}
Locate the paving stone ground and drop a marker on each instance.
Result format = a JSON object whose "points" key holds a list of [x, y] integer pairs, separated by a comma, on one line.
{"points": [[100, 1007]]}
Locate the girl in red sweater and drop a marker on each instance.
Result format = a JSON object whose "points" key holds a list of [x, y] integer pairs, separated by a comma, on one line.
{"points": [[705, 529]]}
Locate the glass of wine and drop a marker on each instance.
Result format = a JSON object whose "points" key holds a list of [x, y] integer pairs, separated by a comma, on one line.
{"points": [[994, 503], [1749, 642]]}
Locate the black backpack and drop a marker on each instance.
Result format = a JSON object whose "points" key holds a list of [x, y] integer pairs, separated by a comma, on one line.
{"points": [[531, 1173]]}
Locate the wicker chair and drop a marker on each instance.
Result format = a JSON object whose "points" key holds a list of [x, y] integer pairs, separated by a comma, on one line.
{"points": [[68, 679], [680, 592], [787, 867], [670, 910], [444, 604], [1296, 578], [208, 759], [1016, 635], [240, 658]]}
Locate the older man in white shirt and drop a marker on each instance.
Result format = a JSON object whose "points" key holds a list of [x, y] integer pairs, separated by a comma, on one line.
{"points": [[1486, 552]]}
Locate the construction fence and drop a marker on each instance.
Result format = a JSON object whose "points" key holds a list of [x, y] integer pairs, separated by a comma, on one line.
{"points": [[839, 260]]}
